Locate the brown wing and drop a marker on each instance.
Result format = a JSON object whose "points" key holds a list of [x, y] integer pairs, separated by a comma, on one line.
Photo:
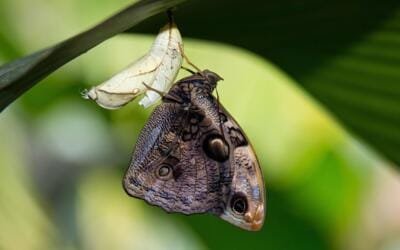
{"points": [[192, 157], [169, 167], [245, 204]]}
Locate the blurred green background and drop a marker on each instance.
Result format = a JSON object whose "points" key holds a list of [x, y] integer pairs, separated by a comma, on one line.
{"points": [[62, 158]]}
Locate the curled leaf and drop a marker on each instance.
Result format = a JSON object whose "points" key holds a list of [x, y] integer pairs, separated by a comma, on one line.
{"points": [[157, 69]]}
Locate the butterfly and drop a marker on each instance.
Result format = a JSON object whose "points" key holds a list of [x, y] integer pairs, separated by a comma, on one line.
{"points": [[192, 157]]}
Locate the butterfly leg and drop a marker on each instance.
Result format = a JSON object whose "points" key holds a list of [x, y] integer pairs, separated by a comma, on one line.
{"points": [[188, 62], [161, 93], [188, 70], [171, 22], [164, 95]]}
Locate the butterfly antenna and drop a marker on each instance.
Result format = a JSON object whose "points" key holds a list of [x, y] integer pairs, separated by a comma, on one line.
{"points": [[164, 95], [171, 22], [153, 89]]}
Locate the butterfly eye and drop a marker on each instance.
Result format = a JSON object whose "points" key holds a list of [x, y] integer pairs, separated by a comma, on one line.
{"points": [[216, 148], [239, 204], [164, 172]]}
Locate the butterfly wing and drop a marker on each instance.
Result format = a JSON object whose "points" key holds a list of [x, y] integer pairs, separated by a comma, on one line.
{"points": [[168, 168], [194, 158], [245, 203]]}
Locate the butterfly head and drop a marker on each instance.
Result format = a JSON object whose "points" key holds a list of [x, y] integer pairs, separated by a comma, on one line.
{"points": [[211, 78]]}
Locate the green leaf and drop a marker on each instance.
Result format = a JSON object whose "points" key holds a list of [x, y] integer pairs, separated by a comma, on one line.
{"points": [[344, 53], [19, 76]]}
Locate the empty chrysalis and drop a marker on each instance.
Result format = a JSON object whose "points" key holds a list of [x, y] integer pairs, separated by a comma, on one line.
{"points": [[157, 69]]}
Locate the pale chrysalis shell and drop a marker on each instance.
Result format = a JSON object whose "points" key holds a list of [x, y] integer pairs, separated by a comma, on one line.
{"points": [[157, 69]]}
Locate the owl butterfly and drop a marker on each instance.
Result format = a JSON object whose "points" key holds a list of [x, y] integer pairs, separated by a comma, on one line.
{"points": [[192, 157]]}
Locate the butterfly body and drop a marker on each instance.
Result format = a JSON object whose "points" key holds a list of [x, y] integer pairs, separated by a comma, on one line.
{"points": [[192, 157]]}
